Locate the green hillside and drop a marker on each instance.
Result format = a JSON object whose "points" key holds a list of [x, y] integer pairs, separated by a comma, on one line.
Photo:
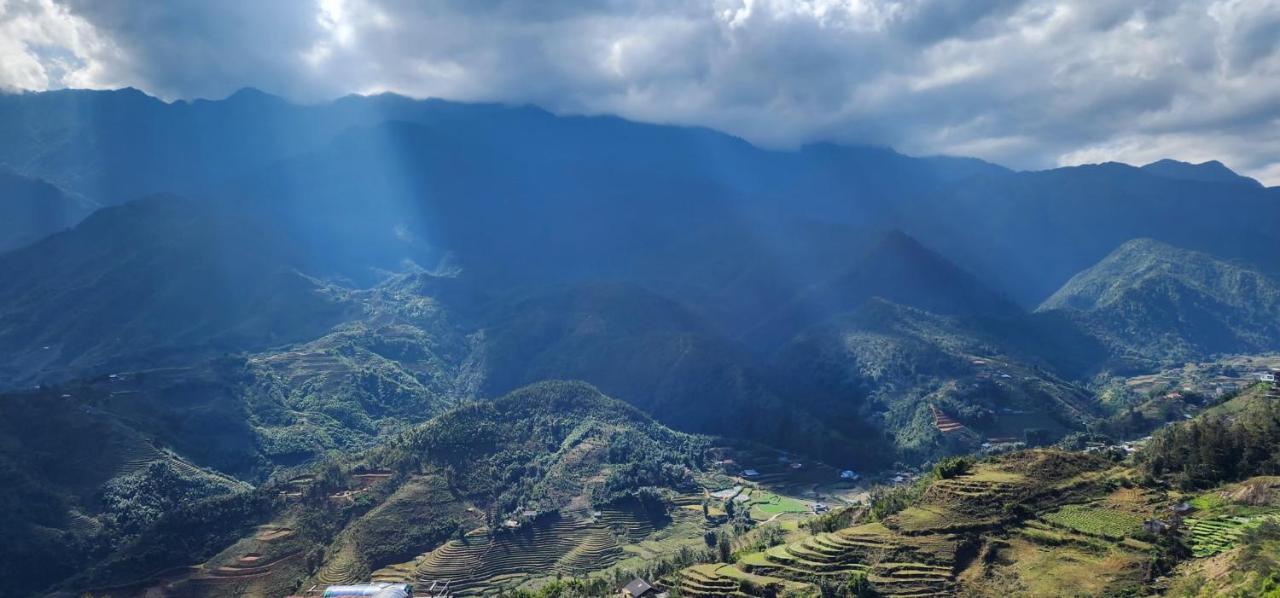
{"points": [[893, 369], [156, 282], [1156, 302], [651, 352], [556, 473], [82, 484]]}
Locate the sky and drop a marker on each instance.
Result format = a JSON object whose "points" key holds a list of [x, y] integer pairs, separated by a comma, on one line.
{"points": [[1025, 83]]}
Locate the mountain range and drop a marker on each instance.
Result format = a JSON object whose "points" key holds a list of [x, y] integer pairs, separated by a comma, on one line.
{"points": [[241, 288]]}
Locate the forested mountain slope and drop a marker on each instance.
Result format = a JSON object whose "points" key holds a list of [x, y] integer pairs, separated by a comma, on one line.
{"points": [[155, 280], [545, 452], [1158, 302]]}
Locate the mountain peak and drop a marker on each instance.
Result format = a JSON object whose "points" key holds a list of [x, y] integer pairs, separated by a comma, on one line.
{"points": [[1212, 171], [1151, 299], [252, 95]]}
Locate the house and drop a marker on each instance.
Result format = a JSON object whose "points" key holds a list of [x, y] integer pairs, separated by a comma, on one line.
{"points": [[1267, 377], [848, 474], [1181, 508], [819, 507], [638, 588], [797, 465], [1156, 526], [727, 493], [750, 473]]}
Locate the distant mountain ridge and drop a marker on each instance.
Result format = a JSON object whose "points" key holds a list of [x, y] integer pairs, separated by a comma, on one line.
{"points": [[897, 268], [31, 209], [491, 183], [1212, 171]]}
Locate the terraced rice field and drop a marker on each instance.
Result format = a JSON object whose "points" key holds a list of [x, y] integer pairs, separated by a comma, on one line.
{"points": [[485, 565], [136, 455], [945, 423], [297, 366], [1211, 536], [703, 581], [1104, 523], [716, 581], [896, 565], [271, 533], [973, 493], [339, 570], [631, 524], [250, 575]]}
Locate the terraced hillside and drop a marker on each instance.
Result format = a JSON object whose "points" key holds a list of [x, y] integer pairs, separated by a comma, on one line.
{"points": [[895, 563], [554, 479], [726, 580], [921, 550], [484, 564]]}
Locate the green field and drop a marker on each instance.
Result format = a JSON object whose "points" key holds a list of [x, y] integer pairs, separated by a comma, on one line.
{"points": [[1106, 523], [772, 504], [1210, 536]]}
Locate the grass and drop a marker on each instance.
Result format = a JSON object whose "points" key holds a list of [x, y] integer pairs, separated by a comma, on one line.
{"points": [[772, 504], [1072, 570], [990, 474], [1106, 523]]}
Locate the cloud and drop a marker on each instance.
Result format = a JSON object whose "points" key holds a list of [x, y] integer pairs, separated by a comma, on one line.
{"points": [[43, 45], [1028, 83]]}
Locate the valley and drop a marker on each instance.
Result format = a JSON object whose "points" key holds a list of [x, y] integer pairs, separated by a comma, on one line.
{"points": [[489, 350]]}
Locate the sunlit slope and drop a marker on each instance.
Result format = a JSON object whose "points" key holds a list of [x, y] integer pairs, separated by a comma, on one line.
{"points": [[579, 473]]}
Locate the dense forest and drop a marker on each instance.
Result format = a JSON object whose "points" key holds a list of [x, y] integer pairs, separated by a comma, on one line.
{"points": [[1219, 447]]}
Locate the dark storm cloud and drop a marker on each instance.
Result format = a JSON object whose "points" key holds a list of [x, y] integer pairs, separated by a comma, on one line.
{"points": [[1029, 83]]}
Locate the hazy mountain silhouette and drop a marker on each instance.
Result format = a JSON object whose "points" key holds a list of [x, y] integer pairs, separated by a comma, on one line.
{"points": [[31, 209]]}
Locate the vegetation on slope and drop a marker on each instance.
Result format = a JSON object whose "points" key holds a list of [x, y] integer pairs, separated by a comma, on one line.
{"points": [[1228, 443], [886, 368], [154, 282], [1163, 304]]}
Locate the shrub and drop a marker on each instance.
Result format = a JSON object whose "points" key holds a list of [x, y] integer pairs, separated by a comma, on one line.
{"points": [[951, 467]]}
